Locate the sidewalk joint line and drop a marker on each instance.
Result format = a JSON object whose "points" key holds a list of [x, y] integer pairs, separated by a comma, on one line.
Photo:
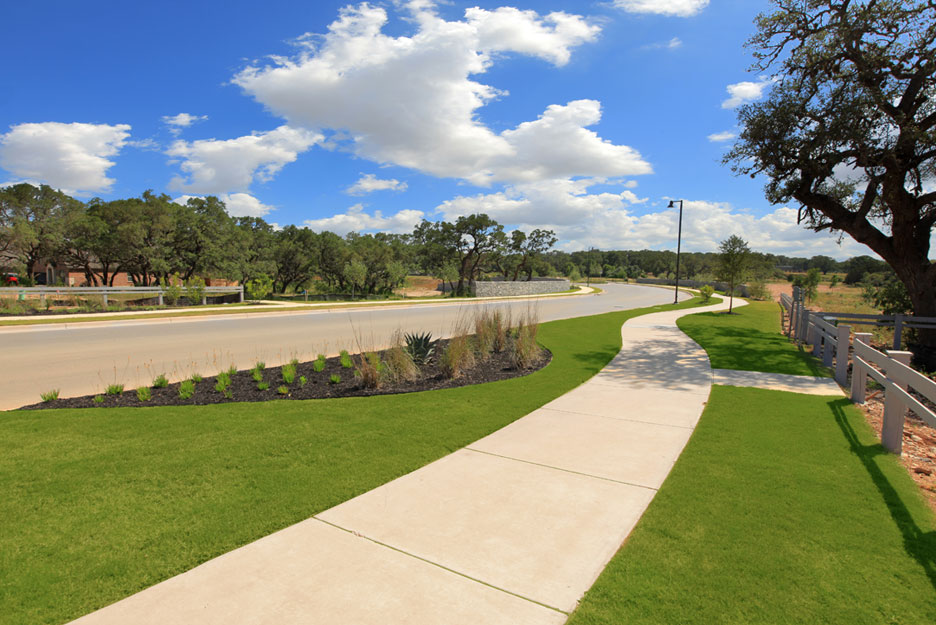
{"points": [[588, 414], [549, 466], [441, 566]]}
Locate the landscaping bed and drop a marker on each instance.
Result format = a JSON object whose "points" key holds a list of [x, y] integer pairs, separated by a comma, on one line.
{"points": [[331, 379]]}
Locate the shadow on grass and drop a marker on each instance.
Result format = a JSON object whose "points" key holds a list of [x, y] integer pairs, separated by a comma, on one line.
{"points": [[920, 545]]}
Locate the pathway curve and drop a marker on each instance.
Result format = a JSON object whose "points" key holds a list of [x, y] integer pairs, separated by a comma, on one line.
{"points": [[512, 529]]}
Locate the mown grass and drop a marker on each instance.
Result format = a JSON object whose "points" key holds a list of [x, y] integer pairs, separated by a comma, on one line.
{"points": [[750, 340], [783, 508], [100, 503]]}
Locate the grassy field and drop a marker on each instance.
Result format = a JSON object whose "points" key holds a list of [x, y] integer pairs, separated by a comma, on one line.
{"points": [[100, 503], [783, 508], [750, 340]]}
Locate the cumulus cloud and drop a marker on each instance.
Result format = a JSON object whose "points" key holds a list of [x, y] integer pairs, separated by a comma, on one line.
{"points": [[412, 100], [746, 91], [679, 8], [356, 220], [71, 157], [368, 183], [237, 204], [721, 137], [177, 122], [217, 166]]}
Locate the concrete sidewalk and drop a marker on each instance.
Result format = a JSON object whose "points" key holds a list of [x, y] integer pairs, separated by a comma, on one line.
{"points": [[805, 384], [512, 529]]}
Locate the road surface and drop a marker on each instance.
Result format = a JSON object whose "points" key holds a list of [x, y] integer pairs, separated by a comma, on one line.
{"points": [[85, 358]]}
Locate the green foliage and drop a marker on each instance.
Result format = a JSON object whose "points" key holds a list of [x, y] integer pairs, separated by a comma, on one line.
{"points": [[334, 379], [195, 290], [196, 378], [49, 395], [114, 389], [283, 390], [319, 364], [172, 289], [260, 287], [302, 381], [288, 372], [733, 262], [834, 281], [421, 347], [232, 370], [524, 350], [758, 290], [706, 291], [345, 359], [257, 374], [223, 382], [144, 394], [186, 389], [809, 283], [458, 356], [399, 364], [160, 381], [260, 365], [262, 386], [98, 399], [890, 297], [371, 369]]}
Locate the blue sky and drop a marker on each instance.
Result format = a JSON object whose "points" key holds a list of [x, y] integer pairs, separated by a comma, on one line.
{"points": [[583, 117]]}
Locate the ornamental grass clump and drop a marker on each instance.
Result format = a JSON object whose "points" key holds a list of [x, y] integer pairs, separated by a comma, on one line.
{"points": [[262, 386], [114, 389], [399, 363], [500, 319], [196, 378], [345, 359], [485, 334], [186, 389], [458, 356], [371, 370], [257, 374], [160, 381], [525, 351], [224, 381], [334, 379], [49, 395], [144, 394], [283, 390], [288, 373]]}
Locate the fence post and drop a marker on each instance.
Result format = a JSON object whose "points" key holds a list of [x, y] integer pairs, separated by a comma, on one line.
{"points": [[895, 411], [826, 349], [898, 331], [841, 355], [241, 294], [859, 375], [104, 298], [204, 300], [160, 297]]}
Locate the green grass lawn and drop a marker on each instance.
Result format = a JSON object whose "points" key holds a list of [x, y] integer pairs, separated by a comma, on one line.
{"points": [[750, 340], [784, 508], [100, 503]]}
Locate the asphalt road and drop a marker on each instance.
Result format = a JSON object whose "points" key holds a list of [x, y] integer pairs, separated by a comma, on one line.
{"points": [[85, 358]]}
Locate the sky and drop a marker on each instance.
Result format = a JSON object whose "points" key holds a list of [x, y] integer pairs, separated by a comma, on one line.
{"points": [[586, 118]]}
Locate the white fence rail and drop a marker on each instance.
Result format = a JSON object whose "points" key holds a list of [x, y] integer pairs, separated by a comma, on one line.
{"points": [[903, 387], [103, 292]]}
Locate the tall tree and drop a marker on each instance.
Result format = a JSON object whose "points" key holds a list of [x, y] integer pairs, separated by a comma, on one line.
{"points": [[849, 129], [38, 218], [733, 260]]}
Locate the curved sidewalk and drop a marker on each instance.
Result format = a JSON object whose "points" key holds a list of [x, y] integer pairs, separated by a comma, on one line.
{"points": [[512, 529]]}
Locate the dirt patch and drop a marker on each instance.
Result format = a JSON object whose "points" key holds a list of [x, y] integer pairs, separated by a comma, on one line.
{"points": [[318, 385], [421, 286]]}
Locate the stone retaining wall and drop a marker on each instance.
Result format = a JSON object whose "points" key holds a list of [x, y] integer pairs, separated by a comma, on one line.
{"points": [[507, 288]]}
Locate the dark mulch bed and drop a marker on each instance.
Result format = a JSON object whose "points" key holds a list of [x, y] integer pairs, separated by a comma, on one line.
{"points": [[498, 366]]}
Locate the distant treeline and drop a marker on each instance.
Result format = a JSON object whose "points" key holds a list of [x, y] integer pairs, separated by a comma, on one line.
{"points": [[153, 238]]}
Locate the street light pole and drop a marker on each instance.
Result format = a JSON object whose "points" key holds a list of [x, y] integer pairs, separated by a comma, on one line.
{"points": [[672, 204]]}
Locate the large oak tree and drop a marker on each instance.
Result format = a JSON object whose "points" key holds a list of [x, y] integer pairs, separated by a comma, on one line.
{"points": [[848, 128]]}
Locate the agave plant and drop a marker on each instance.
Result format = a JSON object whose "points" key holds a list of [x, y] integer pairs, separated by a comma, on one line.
{"points": [[421, 347]]}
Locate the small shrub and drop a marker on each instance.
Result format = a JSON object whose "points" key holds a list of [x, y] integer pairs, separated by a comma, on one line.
{"points": [[420, 347], [260, 366], [262, 386], [98, 399], [49, 395], [160, 381], [224, 381], [259, 287], [457, 357], [186, 389], [399, 364], [289, 373], [334, 379], [196, 378], [319, 365], [294, 362], [228, 393], [114, 389], [195, 290], [706, 291], [302, 381], [283, 390], [144, 394], [256, 374], [758, 290], [345, 358], [172, 291]]}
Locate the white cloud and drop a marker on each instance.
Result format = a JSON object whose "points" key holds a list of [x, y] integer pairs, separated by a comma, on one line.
{"points": [[720, 137], [237, 204], [672, 44], [349, 81], [679, 8], [369, 183], [356, 220], [746, 91], [220, 166], [71, 157], [183, 120]]}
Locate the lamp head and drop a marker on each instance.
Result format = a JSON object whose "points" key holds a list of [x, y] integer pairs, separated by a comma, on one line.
{"points": [[672, 204]]}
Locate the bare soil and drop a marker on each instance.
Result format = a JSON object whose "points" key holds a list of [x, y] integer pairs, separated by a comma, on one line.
{"points": [[243, 388]]}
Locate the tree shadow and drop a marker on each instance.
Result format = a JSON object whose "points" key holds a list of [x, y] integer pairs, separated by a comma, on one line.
{"points": [[920, 545]]}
